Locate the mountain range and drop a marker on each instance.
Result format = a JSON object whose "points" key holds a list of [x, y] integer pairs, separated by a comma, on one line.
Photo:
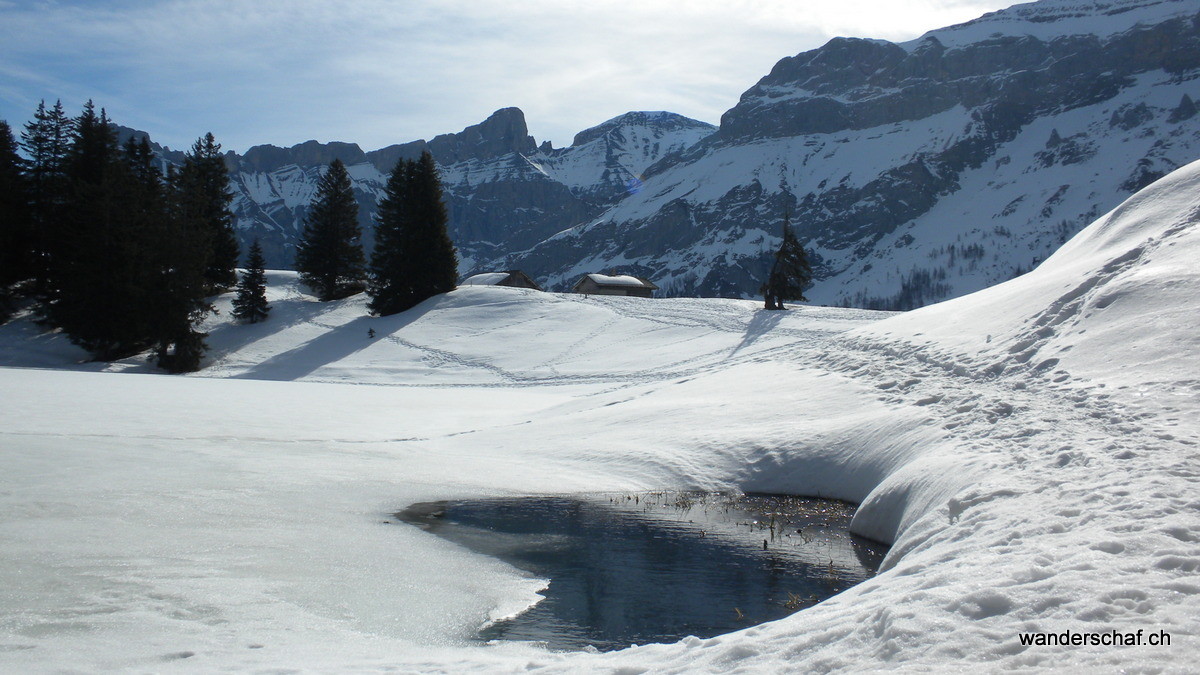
{"points": [[913, 172]]}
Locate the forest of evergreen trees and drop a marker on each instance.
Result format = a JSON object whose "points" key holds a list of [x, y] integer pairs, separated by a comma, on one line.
{"points": [[122, 254], [118, 255]]}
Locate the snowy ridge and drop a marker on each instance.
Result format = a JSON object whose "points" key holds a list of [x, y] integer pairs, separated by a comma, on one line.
{"points": [[1030, 449], [1050, 19], [621, 149]]}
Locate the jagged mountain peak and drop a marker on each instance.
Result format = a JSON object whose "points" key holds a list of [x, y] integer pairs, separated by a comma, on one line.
{"points": [[503, 132]]}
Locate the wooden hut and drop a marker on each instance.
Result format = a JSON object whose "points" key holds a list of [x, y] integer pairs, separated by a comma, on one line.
{"points": [[604, 284], [510, 278]]}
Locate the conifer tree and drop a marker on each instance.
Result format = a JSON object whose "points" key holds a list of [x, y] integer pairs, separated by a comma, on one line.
{"points": [[790, 273], [414, 258], [17, 261], [177, 260], [94, 254], [250, 305], [202, 187], [440, 268], [15, 245], [46, 142], [126, 268], [330, 257], [390, 288]]}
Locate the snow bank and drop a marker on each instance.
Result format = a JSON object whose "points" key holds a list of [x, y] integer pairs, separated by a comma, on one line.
{"points": [[1115, 305]]}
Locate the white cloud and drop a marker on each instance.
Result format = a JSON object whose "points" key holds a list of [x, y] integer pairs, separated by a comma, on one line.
{"points": [[379, 71]]}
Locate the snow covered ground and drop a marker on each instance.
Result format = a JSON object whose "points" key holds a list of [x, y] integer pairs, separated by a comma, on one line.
{"points": [[1031, 450]]}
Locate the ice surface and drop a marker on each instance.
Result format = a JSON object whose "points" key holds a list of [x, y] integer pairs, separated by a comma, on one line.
{"points": [[1030, 449]]}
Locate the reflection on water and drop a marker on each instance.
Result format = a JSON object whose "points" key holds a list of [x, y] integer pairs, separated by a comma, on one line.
{"points": [[656, 567]]}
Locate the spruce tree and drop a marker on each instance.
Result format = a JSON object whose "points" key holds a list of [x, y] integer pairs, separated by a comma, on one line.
{"points": [[95, 252], [17, 258], [16, 247], [250, 305], [177, 261], [202, 186], [414, 258], [330, 257], [790, 273], [46, 142], [440, 260], [390, 288], [126, 268]]}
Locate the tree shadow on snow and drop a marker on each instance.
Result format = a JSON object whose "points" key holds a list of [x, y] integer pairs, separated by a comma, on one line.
{"points": [[333, 346], [762, 323], [232, 337]]}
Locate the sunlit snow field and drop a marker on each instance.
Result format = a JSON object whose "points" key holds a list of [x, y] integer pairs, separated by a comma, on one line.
{"points": [[1031, 450]]}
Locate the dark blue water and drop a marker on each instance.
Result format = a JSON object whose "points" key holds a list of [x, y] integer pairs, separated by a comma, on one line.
{"points": [[634, 569]]}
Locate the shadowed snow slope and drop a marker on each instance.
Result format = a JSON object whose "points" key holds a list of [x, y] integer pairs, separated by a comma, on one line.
{"points": [[1031, 450]]}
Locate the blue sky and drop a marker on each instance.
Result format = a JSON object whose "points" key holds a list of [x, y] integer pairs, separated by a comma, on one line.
{"points": [[378, 72]]}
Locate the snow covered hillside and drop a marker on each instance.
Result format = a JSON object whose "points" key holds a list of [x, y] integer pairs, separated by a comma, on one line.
{"points": [[1031, 450]]}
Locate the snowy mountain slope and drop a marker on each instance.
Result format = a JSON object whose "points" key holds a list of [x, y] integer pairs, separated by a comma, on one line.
{"points": [[504, 192], [608, 160], [270, 206], [1031, 449], [915, 172]]}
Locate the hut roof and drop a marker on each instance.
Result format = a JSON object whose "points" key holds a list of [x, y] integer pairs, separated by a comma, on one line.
{"points": [[622, 280], [485, 279]]}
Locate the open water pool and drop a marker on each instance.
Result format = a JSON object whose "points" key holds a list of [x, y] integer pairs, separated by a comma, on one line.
{"points": [[635, 568]]}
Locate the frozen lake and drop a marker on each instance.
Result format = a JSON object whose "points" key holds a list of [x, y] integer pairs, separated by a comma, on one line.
{"points": [[657, 567]]}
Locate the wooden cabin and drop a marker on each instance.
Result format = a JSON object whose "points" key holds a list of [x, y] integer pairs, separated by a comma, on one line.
{"points": [[510, 278], [604, 284]]}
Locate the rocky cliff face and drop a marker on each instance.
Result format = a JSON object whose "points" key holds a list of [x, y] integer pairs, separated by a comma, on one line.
{"points": [[915, 171]]}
